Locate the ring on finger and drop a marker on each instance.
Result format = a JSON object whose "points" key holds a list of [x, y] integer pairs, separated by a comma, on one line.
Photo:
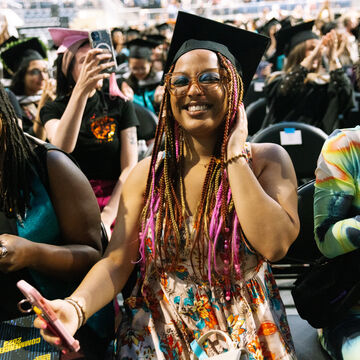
{"points": [[3, 251]]}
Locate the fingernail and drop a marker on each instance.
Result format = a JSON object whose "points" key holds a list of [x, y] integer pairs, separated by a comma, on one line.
{"points": [[57, 342], [64, 351], [44, 325]]}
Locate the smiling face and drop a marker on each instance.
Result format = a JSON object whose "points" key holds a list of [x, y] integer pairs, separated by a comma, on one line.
{"points": [[198, 112], [35, 76], [140, 68]]}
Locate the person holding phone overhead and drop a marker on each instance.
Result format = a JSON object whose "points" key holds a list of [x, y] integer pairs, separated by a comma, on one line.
{"points": [[99, 130], [204, 225]]}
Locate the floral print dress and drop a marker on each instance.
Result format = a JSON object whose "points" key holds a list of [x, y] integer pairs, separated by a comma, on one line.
{"points": [[166, 312]]}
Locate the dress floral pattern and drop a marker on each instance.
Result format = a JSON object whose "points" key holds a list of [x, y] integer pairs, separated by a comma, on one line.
{"points": [[166, 312]]}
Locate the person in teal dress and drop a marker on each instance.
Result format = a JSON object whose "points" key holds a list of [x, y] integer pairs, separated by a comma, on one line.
{"points": [[50, 223]]}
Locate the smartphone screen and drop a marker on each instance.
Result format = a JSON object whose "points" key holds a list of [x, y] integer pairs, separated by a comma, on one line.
{"points": [[101, 39]]}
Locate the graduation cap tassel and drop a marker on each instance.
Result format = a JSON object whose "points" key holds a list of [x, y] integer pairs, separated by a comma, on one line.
{"points": [[114, 88]]}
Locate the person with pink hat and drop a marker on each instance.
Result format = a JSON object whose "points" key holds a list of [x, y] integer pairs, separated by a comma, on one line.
{"points": [[96, 127]]}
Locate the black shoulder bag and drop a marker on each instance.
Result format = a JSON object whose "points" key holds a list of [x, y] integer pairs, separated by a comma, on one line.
{"points": [[325, 292]]}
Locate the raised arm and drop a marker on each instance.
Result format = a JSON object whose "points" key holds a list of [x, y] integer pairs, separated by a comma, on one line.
{"points": [[265, 198], [64, 132]]}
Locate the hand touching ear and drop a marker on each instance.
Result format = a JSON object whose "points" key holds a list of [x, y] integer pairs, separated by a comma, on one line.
{"points": [[238, 134]]}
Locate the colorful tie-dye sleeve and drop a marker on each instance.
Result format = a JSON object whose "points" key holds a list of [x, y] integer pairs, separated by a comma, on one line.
{"points": [[337, 195]]}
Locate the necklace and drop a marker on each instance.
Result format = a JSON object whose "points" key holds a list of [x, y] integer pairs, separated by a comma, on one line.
{"points": [[205, 165]]}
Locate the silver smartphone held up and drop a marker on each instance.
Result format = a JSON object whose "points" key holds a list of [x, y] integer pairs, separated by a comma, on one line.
{"points": [[101, 39]]}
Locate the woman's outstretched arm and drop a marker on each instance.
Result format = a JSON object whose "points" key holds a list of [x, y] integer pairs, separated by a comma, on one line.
{"points": [[108, 276]]}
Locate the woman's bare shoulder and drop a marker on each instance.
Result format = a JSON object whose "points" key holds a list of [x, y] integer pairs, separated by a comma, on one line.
{"points": [[137, 179], [264, 154]]}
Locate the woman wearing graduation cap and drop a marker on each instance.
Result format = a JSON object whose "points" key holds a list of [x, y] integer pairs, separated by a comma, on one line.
{"points": [[98, 128], [203, 226], [31, 83], [304, 91], [143, 80]]}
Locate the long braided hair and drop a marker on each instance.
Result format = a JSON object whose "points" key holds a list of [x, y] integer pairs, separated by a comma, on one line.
{"points": [[16, 159], [163, 215]]}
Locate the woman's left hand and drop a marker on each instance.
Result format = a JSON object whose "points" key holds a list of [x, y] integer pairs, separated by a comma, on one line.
{"points": [[331, 42], [18, 254], [238, 134]]}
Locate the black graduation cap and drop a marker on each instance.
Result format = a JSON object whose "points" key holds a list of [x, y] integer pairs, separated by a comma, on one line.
{"points": [[156, 38], [230, 21], [265, 29], [7, 42], [131, 32], [17, 53], [243, 48], [163, 26], [140, 48], [286, 22], [287, 38], [327, 27]]}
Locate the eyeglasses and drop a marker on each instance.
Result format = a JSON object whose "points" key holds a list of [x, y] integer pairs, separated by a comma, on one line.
{"points": [[179, 84], [37, 72]]}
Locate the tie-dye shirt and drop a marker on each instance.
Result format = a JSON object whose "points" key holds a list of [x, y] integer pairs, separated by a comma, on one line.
{"points": [[337, 194]]}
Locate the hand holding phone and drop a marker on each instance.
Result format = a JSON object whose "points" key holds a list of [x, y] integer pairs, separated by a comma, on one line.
{"points": [[101, 39], [42, 308]]}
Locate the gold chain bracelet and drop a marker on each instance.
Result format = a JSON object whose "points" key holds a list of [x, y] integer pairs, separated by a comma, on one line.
{"points": [[79, 310], [237, 156]]}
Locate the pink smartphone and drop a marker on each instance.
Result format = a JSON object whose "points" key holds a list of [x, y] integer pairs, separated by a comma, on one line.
{"points": [[41, 307]]}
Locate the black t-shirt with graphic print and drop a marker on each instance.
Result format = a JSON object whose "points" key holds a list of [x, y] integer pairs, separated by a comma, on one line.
{"points": [[98, 146]]}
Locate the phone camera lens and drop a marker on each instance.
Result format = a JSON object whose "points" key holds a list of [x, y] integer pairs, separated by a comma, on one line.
{"points": [[95, 36]]}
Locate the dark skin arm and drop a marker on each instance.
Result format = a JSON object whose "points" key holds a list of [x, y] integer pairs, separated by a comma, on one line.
{"points": [[112, 271], [78, 215]]}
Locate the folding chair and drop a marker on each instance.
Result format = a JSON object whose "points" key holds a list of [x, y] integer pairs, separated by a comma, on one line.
{"points": [[302, 141], [148, 122], [255, 113]]}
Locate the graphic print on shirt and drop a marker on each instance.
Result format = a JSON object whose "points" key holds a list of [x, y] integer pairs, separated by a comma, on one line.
{"points": [[103, 128]]}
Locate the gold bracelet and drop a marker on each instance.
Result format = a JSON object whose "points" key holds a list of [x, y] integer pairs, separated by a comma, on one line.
{"points": [[235, 157], [79, 310]]}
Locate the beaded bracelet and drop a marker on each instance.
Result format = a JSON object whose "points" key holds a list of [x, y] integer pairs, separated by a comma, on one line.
{"points": [[79, 310], [237, 156]]}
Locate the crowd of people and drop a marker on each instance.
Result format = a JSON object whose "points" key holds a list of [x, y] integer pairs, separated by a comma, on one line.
{"points": [[187, 234]]}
